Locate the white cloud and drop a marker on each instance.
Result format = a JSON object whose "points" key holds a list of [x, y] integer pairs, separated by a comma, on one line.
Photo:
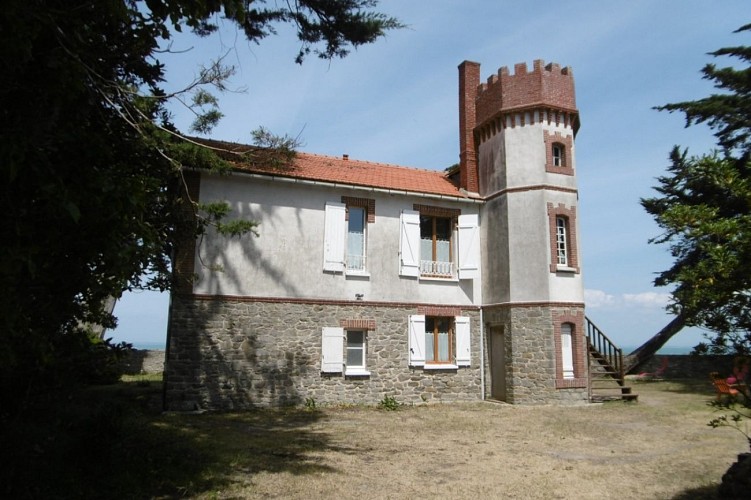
{"points": [[643, 300], [647, 299], [598, 298]]}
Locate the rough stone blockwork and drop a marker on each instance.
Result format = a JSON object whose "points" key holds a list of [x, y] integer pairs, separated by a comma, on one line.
{"points": [[530, 355], [238, 355], [141, 361], [689, 366]]}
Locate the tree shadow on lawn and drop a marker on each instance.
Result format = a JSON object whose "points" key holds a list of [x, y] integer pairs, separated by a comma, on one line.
{"points": [[112, 443], [697, 386], [710, 492]]}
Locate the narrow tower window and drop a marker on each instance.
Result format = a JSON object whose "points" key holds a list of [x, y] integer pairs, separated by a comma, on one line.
{"points": [[559, 155], [559, 149], [562, 227], [567, 350], [561, 242]]}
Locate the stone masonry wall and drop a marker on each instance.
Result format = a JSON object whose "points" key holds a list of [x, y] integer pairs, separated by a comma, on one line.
{"points": [[141, 361], [689, 366], [530, 355], [227, 354]]}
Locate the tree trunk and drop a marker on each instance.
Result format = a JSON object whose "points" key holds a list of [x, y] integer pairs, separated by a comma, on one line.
{"points": [[109, 308], [647, 350]]}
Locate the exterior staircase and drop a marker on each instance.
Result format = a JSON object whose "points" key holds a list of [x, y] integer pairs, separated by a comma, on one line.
{"points": [[607, 375]]}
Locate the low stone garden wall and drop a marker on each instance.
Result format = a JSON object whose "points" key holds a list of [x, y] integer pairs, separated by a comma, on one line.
{"points": [[144, 361], [689, 366]]}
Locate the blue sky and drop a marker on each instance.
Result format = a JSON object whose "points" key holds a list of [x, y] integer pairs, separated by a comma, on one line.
{"points": [[396, 102]]}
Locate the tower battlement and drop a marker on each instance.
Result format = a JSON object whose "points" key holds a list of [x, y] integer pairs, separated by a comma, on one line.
{"points": [[545, 86]]}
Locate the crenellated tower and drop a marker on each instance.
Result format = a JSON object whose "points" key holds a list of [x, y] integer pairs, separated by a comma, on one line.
{"points": [[517, 140]]}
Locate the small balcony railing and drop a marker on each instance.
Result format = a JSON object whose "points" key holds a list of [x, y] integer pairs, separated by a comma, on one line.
{"points": [[437, 269], [355, 262]]}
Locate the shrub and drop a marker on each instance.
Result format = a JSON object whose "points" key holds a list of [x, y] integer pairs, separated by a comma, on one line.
{"points": [[389, 403]]}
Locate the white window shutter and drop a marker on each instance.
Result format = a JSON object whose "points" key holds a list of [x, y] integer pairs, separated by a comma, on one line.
{"points": [[332, 350], [469, 247], [463, 351], [417, 340], [409, 243], [334, 233]]}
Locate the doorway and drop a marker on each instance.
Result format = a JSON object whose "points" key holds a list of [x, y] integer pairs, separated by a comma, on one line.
{"points": [[497, 363]]}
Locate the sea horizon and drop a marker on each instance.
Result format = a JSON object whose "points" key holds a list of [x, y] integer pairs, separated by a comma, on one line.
{"points": [[665, 351]]}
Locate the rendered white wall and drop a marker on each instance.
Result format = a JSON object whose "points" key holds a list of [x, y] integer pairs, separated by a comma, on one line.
{"points": [[516, 226], [286, 259]]}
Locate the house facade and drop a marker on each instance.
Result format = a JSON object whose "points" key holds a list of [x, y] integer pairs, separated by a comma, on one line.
{"points": [[369, 281]]}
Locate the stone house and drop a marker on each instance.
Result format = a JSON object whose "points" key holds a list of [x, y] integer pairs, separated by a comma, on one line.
{"points": [[370, 280]]}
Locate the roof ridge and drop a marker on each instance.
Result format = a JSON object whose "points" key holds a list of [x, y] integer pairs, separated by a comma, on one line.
{"points": [[376, 163]]}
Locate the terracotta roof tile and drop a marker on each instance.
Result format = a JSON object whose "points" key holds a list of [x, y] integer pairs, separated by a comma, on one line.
{"points": [[378, 175], [354, 172]]}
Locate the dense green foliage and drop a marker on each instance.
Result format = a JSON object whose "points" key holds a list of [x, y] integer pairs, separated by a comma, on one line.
{"points": [[90, 165], [704, 208]]}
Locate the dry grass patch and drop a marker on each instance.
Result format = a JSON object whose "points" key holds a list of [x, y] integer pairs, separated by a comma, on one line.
{"points": [[114, 442], [660, 447]]}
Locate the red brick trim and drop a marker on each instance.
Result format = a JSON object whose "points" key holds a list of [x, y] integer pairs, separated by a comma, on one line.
{"points": [[571, 383], [358, 324], [323, 302], [573, 254], [576, 320], [469, 80], [533, 304], [549, 86], [460, 308], [567, 143], [432, 211], [518, 117], [439, 311], [367, 203]]}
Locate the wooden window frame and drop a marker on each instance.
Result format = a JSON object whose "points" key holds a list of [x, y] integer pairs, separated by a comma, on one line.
{"points": [[434, 212], [451, 340], [434, 246]]}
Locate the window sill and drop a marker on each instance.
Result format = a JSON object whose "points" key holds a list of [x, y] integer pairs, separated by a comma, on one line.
{"points": [[357, 373], [357, 274], [452, 279], [571, 383], [440, 366], [565, 269]]}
